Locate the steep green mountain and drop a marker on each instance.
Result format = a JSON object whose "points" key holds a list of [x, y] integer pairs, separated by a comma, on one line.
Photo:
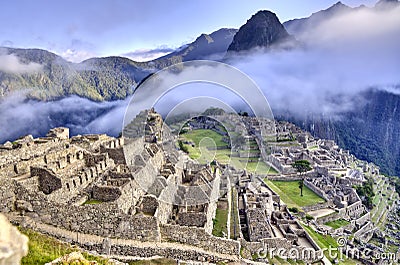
{"points": [[371, 132], [97, 79], [112, 77]]}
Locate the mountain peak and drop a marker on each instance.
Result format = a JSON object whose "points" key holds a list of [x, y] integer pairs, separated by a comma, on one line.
{"points": [[336, 7], [263, 29], [301, 25]]}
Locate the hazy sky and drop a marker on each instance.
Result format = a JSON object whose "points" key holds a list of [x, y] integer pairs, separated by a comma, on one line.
{"points": [[78, 29]]}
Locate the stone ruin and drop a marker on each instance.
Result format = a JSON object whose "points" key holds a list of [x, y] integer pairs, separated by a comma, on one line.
{"points": [[139, 196], [132, 188]]}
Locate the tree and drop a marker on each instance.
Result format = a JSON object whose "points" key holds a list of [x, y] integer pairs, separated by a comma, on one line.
{"points": [[301, 185], [302, 166], [183, 147]]}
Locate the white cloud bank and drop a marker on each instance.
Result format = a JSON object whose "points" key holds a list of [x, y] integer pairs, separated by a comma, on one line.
{"points": [[11, 64]]}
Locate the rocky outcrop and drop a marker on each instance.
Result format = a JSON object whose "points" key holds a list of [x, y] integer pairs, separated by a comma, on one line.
{"points": [[262, 30], [206, 46], [13, 244]]}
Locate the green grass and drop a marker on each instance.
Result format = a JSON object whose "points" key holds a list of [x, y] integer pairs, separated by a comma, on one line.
{"points": [[234, 225], [197, 135], [337, 223], [205, 143], [220, 222], [92, 201], [203, 151], [289, 192], [323, 241], [43, 249], [326, 241]]}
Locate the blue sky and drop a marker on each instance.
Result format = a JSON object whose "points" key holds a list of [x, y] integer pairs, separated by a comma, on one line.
{"points": [[78, 29]]}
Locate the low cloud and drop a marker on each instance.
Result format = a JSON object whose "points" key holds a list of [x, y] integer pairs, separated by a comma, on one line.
{"points": [[20, 116], [10, 63], [340, 59], [143, 55], [365, 26], [77, 56], [78, 51]]}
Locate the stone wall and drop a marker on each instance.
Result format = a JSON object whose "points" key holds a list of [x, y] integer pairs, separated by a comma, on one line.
{"points": [[198, 237], [104, 219], [329, 218], [318, 206], [114, 148], [365, 233], [131, 193], [7, 195], [293, 177], [130, 249], [149, 204], [363, 219], [212, 205], [315, 189], [48, 181], [106, 193], [353, 211]]}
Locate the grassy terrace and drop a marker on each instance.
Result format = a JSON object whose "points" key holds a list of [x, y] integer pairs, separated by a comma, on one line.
{"points": [[203, 150], [290, 193], [197, 135], [326, 241], [337, 223], [44, 249], [234, 225], [220, 223], [92, 201], [382, 200]]}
